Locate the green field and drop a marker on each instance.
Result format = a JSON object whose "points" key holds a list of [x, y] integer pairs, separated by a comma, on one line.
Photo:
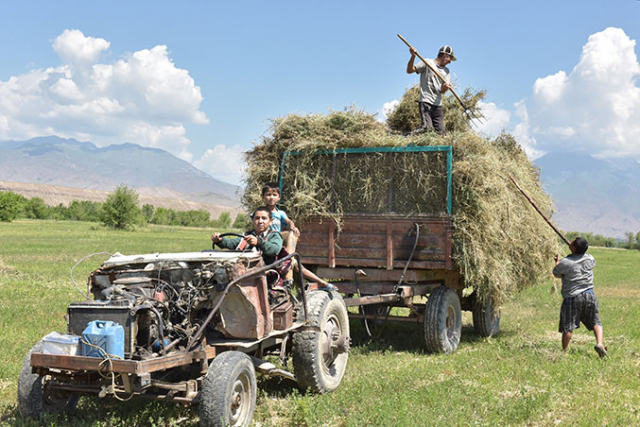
{"points": [[519, 378]]}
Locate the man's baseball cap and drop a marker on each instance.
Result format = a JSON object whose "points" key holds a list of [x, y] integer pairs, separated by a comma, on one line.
{"points": [[448, 50]]}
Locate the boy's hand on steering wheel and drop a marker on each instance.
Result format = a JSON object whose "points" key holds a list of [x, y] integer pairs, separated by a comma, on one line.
{"points": [[215, 238], [252, 240]]}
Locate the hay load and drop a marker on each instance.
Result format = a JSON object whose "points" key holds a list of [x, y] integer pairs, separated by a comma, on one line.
{"points": [[500, 244]]}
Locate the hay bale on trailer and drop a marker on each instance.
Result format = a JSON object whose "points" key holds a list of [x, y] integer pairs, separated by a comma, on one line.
{"points": [[499, 245]]}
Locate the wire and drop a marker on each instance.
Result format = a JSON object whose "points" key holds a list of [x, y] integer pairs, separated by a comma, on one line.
{"points": [[78, 263]]}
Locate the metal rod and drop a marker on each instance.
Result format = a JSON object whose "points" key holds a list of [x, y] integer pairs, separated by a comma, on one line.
{"points": [[539, 211]]}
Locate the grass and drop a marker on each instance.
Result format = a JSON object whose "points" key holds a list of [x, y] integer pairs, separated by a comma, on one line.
{"points": [[519, 378]]}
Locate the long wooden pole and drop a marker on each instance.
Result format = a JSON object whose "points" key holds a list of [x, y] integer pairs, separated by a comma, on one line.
{"points": [[539, 211]]}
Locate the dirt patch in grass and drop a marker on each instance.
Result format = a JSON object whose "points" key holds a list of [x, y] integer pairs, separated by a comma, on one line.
{"points": [[619, 292], [7, 269]]}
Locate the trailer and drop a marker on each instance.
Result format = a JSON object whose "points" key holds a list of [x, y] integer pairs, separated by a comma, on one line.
{"points": [[395, 251], [190, 328]]}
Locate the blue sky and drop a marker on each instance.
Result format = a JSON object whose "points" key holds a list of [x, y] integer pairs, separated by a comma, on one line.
{"points": [[203, 79]]}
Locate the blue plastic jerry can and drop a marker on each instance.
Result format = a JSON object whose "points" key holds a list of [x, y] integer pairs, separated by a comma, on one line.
{"points": [[103, 339]]}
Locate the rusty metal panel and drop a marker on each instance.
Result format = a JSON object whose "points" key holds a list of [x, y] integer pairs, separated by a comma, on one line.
{"points": [[283, 316], [245, 311]]}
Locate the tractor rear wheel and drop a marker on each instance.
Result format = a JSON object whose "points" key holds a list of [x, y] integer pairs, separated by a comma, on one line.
{"points": [[320, 353]]}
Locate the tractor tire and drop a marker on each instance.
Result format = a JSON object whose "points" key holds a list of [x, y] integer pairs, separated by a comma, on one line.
{"points": [[486, 322], [228, 395], [35, 398], [442, 321], [319, 362]]}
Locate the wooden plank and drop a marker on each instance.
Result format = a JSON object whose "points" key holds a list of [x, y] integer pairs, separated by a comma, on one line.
{"points": [[81, 363], [361, 262], [376, 274], [372, 299], [332, 244], [389, 246], [135, 367]]}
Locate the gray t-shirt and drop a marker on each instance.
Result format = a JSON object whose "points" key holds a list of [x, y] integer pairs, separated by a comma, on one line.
{"points": [[576, 272], [430, 84]]}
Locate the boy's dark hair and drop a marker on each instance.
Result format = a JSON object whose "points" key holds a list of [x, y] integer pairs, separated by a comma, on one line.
{"points": [[581, 245], [270, 186], [261, 208]]}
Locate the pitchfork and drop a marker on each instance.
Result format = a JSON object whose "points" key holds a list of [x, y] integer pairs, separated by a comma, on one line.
{"points": [[466, 110]]}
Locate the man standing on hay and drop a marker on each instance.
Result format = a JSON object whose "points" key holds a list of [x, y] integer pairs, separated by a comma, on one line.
{"points": [[432, 88], [580, 303]]}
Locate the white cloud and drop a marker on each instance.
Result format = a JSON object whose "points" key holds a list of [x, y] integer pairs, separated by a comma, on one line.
{"points": [[595, 108], [550, 88], [387, 108], [495, 120], [142, 98], [222, 162], [74, 47]]}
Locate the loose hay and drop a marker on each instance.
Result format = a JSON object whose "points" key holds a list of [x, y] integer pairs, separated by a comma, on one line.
{"points": [[501, 245]]}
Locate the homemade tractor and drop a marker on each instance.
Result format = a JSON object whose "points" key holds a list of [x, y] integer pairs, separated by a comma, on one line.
{"points": [[188, 328]]}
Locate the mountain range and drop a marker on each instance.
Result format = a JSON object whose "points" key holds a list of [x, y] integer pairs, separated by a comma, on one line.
{"points": [[591, 195], [69, 163]]}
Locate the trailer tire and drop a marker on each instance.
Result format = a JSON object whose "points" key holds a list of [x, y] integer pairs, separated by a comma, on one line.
{"points": [[318, 363], [442, 321], [34, 396], [228, 395], [486, 322]]}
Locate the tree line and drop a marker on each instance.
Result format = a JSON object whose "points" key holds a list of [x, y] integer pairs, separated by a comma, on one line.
{"points": [[121, 210]]}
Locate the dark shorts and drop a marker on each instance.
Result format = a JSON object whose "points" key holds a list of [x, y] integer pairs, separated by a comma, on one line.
{"points": [[581, 308]]}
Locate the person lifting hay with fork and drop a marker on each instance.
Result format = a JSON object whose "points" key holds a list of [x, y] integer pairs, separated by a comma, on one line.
{"points": [[580, 303], [432, 88]]}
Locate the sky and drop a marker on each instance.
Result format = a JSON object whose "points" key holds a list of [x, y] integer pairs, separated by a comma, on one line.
{"points": [[203, 79]]}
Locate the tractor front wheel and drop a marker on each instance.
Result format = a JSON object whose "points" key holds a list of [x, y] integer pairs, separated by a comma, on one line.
{"points": [[36, 396], [228, 396]]}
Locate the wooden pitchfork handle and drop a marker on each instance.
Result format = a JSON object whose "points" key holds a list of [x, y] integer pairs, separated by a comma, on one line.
{"points": [[539, 211], [436, 73]]}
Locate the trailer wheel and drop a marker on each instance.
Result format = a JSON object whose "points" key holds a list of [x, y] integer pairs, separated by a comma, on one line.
{"points": [[320, 357], [228, 396], [442, 321], [486, 322], [35, 397]]}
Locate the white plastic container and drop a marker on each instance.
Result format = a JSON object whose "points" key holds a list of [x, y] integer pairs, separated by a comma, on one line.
{"points": [[56, 343]]}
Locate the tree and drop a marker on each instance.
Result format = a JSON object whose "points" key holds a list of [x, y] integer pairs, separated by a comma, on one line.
{"points": [[11, 205], [242, 222], [120, 210], [35, 208], [629, 238], [147, 212], [225, 220]]}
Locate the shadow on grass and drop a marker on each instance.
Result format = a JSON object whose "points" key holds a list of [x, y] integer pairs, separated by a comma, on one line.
{"points": [[92, 411], [406, 337]]}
